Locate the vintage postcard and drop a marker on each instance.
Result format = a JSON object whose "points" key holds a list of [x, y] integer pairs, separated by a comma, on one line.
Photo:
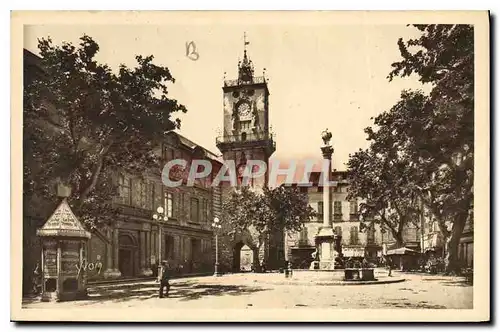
{"points": [[250, 166]]}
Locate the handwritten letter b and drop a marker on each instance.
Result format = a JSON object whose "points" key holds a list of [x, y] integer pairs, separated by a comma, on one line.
{"points": [[191, 52]]}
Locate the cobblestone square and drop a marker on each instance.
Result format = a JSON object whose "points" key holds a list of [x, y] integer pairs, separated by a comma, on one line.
{"points": [[271, 290]]}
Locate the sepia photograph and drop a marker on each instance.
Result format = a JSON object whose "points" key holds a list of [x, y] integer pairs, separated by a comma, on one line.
{"points": [[250, 166]]}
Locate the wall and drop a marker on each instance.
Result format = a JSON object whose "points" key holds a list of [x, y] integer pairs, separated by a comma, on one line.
{"points": [[96, 254]]}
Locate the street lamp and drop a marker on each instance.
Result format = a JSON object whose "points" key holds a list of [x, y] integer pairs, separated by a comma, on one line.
{"points": [[159, 216], [217, 226]]}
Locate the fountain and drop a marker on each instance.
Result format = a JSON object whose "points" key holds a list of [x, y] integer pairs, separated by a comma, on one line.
{"points": [[328, 258], [329, 267]]}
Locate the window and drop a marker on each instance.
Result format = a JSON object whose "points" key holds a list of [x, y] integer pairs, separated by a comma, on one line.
{"points": [[169, 204], [320, 210], [370, 235], [354, 207], [303, 237], [245, 125], [204, 210], [124, 189], [338, 230], [207, 210], [337, 210], [320, 189], [142, 194], [168, 154], [354, 235], [195, 210], [182, 205]]}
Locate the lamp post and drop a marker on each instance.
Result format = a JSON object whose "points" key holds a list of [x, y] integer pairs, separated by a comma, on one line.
{"points": [[159, 216], [216, 226]]}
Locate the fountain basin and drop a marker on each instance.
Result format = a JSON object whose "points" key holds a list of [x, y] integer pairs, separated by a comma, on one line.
{"points": [[349, 274], [365, 274]]}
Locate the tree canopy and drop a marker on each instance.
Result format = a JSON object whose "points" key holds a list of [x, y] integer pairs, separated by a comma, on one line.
{"points": [[274, 210], [83, 121], [424, 145], [381, 174]]}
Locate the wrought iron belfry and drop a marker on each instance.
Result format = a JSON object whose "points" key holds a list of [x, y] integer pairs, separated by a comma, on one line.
{"points": [[245, 67]]}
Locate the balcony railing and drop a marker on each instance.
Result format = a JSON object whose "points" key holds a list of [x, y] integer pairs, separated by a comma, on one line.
{"points": [[245, 138], [255, 80], [134, 211]]}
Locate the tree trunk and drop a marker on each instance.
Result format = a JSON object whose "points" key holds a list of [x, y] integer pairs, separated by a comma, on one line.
{"points": [[452, 260], [95, 175], [93, 182], [260, 258]]}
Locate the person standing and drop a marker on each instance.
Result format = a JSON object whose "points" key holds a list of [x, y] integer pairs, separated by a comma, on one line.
{"points": [[164, 279], [389, 265]]}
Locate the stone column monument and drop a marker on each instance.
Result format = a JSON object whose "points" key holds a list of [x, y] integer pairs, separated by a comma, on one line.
{"points": [[326, 240]]}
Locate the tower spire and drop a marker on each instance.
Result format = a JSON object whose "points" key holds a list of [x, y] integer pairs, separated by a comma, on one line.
{"points": [[245, 68]]}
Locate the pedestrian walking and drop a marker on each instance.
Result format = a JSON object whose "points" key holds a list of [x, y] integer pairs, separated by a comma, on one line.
{"points": [[389, 266], [164, 278]]}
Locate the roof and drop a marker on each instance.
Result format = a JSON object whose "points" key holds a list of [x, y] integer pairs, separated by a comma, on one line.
{"points": [[192, 145], [339, 176], [32, 66], [63, 223]]}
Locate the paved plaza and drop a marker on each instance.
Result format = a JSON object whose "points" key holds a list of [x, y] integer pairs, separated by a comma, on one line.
{"points": [[272, 290]]}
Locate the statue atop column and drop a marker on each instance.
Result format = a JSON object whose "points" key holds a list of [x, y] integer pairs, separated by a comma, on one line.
{"points": [[326, 136]]}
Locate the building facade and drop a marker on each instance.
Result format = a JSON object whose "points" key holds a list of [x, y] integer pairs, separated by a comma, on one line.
{"points": [[466, 246], [134, 244]]}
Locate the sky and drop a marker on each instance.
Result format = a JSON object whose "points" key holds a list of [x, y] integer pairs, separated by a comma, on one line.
{"points": [[320, 76]]}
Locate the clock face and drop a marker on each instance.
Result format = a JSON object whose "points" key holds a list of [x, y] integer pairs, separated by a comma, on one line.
{"points": [[244, 109]]}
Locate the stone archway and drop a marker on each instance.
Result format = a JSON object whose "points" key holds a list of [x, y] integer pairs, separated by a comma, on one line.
{"points": [[245, 255], [128, 256]]}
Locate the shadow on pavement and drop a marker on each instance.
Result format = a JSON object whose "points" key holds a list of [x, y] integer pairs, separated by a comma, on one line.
{"points": [[461, 283], [418, 305], [185, 291], [193, 292]]}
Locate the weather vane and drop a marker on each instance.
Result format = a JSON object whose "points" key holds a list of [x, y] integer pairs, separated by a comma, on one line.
{"points": [[245, 42]]}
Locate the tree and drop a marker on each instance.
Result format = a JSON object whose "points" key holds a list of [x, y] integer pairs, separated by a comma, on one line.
{"points": [[83, 123], [379, 176], [289, 210], [282, 209], [439, 137]]}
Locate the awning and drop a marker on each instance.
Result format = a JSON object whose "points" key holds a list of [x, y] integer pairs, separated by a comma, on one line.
{"points": [[402, 251]]}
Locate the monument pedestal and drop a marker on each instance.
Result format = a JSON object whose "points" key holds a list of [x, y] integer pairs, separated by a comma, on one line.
{"points": [[328, 247]]}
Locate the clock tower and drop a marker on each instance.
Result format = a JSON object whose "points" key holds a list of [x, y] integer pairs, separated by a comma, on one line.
{"points": [[246, 134]]}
